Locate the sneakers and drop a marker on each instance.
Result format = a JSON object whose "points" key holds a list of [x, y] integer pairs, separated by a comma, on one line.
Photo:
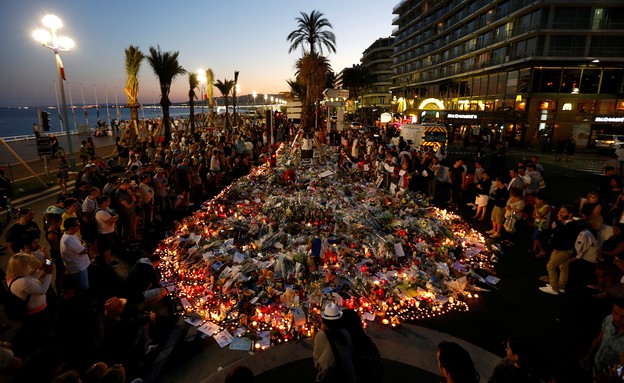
{"points": [[548, 290], [490, 232], [560, 290], [495, 235]]}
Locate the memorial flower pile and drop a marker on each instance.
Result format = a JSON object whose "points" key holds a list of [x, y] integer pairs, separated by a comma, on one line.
{"points": [[259, 261]]}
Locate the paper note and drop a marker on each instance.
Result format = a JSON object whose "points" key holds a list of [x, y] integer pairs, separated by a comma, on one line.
{"points": [[193, 320], [368, 316], [223, 338], [185, 303], [242, 344], [398, 249], [326, 173], [265, 339], [209, 328], [238, 257], [492, 279]]}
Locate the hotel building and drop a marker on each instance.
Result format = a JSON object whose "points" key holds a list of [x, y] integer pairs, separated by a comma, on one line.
{"points": [[526, 70]]}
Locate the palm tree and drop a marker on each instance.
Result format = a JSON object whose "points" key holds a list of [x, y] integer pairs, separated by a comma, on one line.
{"points": [[210, 91], [193, 83], [225, 87], [312, 70], [299, 90], [310, 32], [134, 58], [166, 67]]}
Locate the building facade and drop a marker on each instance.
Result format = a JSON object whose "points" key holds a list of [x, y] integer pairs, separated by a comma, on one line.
{"points": [[526, 70], [377, 60]]}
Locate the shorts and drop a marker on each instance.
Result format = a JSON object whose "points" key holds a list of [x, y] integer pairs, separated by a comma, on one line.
{"points": [[106, 241], [482, 200], [79, 280], [498, 215]]}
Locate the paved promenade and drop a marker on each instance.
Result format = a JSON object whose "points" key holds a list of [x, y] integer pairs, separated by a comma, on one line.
{"points": [[27, 151]]}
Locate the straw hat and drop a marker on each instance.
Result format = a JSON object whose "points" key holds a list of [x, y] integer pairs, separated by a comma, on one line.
{"points": [[331, 312], [114, 306]]}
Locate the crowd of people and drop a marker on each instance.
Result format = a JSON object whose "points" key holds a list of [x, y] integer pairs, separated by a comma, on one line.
{"points": [[119, 203], [77, 300]]}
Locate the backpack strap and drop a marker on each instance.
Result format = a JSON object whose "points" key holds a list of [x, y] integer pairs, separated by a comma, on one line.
{"points": [[11, 284]]}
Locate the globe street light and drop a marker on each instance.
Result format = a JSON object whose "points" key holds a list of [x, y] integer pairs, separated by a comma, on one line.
{"points": [[58, 44]]}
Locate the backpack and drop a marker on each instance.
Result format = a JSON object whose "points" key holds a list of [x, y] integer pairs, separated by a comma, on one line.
{"points": [[367, 362], [15, 308]]}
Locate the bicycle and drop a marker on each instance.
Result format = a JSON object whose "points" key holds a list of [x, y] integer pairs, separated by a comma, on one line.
{"points": [[11, 214]]}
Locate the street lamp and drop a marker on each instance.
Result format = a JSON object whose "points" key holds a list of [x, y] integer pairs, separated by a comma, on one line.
{"points": [[58, 44], [254, 94]]}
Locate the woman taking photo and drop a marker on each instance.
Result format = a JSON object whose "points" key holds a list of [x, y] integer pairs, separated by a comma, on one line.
{"points": [[29, 280]]}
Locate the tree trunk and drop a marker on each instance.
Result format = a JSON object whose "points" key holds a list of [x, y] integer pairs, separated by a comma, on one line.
{"points": [[192, 116], [134, 125], [165, 103], [227, 112]]}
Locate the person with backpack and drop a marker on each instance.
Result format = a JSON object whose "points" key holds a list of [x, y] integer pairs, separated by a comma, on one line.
{"points": [[333, 349]]}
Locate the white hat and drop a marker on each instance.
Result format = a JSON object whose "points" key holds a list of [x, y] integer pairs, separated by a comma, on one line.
{"points": [[331, 312]]}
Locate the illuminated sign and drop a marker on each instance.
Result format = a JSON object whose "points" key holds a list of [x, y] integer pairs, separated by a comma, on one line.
{"points": [[567, 106], [462, 116], [429, 101], [609, 119]]}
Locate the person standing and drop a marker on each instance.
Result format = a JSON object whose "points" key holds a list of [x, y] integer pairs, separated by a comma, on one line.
{"points": [[457, 173], [63, 174], [333, 349], [75, 256], [25, 224], [455, 364], [564, 233], [499, 196], [105, 219], [607, 348]]}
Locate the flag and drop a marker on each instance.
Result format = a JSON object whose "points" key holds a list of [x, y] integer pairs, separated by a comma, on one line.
{"points": [[61, 67]]}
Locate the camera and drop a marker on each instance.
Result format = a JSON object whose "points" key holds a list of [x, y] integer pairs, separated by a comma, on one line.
{"points": [[48, 262]]}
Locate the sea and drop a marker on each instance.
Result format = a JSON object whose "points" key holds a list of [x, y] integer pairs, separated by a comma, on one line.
{"points": [[18, 121]]}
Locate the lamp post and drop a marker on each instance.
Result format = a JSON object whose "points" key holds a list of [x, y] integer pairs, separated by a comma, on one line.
{"points": [[58, 44]]}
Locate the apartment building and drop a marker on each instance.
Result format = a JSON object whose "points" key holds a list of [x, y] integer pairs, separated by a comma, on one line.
{"points": [[377, 59], [525, 70]]}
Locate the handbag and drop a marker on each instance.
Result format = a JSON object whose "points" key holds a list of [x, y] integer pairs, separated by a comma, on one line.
{"points": [[510, 223]]}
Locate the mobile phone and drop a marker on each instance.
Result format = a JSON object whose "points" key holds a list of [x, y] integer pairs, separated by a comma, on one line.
{"points": [[48, 262]]}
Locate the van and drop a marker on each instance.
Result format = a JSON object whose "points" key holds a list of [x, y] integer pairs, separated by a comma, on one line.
{"points": [[427, 135], [609, 142]]}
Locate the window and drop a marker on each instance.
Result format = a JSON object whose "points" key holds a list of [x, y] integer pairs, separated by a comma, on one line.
{"points": [[523, 80], [570, 81], [571, 18], [590, 81], [598, 21], [512, 83], [567, 45], [492, 84], [611, 81], [547, 80]]}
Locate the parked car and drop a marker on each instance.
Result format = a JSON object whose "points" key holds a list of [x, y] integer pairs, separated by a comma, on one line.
{"points": [[356, 125], [609, 142]]}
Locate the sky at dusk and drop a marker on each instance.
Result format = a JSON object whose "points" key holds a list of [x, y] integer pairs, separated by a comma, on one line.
{"points": [[244, 35]]}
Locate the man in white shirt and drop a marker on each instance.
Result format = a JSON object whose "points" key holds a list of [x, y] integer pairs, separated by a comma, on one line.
{"points": [[105, 219], [75, 255]]}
